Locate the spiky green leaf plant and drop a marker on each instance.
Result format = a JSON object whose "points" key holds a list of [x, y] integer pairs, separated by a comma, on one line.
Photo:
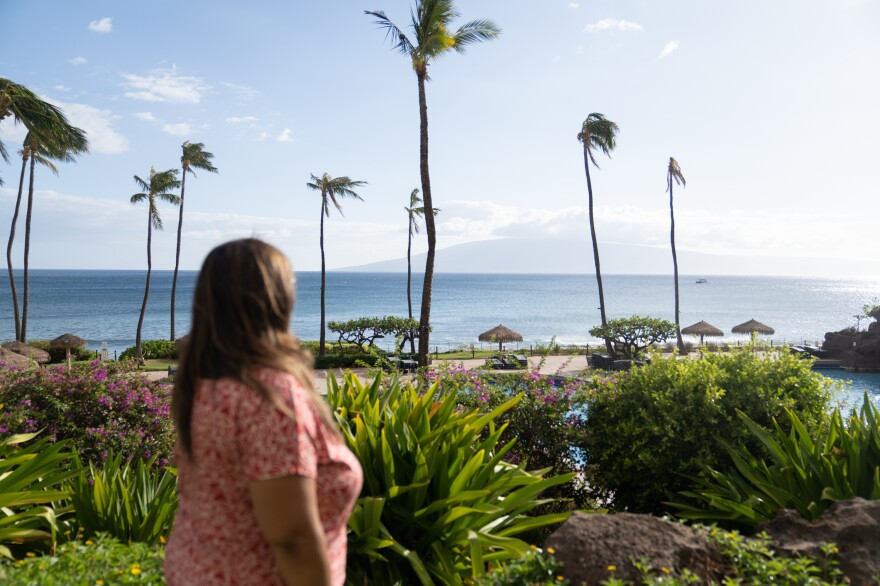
{"points": [[439, 501], [805, 472], [30, 480]]}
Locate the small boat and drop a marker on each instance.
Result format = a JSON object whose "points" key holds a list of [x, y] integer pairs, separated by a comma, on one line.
{"points": [[701, 281]]}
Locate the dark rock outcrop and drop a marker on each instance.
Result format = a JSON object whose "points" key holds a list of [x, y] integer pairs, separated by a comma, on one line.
{"points": [[587, 545], [856, 350], [853, 525]]}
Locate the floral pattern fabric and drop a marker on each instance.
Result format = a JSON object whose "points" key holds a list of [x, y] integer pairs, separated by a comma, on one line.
{"points": [[239, 437]]}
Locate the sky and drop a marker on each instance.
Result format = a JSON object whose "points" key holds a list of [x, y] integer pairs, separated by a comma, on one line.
{"points": [[769, 106]]}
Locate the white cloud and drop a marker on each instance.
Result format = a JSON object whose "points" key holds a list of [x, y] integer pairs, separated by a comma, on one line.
{"points": [[179, 129], [242, 91], [98, 124], [148, 116], [165, 85], [263, 135], [573, 5], [79, 61], [61, 88], [285, 136], [557, 59], [668, 48], [613, 24], [241, 119], [105, 25]]}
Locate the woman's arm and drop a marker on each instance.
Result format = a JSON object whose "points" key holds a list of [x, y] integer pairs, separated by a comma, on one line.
{"points": [[287, 512]]}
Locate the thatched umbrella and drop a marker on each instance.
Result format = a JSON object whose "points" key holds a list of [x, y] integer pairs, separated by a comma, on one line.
{"points": [[753, 326], [701, 329], [68, 341], [35, 354], [13, 360], [500, 334]]}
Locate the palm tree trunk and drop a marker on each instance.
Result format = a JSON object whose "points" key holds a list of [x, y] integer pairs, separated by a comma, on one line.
{"points": [[321, 339], [425, 317], [27, 249], [137, 340], [177, 256], [608, 347], [24, 159], [681, 348], [412, 342]]}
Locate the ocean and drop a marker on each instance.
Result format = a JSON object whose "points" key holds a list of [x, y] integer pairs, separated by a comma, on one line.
{"points": [[104, 305]]}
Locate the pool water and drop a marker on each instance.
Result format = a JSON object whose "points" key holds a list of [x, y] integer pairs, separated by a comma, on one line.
{"points": [[855, 385]]}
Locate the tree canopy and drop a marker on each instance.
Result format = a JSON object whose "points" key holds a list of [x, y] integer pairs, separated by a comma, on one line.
{"points": [[632, 335]]}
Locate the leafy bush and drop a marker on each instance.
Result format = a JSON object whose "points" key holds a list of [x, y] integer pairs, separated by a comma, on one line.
{"points": [[152, 350], [59, 355], [366, 330], [29, 484], [99, 407], [346, 360], [632, 335], [546, 424], [128, 502], [439, 502], [102, 561], [536, 568], [803, 471], [650, 429]]}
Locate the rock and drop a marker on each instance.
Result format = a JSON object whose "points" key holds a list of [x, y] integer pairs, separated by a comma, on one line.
{"points": [[855, 350], [853, 525], [588, 544]]}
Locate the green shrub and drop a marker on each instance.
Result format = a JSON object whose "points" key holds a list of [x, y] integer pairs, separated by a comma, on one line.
{"points": [[128, 502], [535, 568], [345, 360], [30, 479], [439, 502], [648, 430], [152, 350], [102, 561], [805, 471], [630, 336], [99, 406]]}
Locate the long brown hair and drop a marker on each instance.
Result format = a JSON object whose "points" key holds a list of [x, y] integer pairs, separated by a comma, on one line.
{"points": [[241, 322]]}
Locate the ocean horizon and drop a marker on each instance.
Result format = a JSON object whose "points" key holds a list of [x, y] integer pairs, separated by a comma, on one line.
{"points": [[103, 305]]}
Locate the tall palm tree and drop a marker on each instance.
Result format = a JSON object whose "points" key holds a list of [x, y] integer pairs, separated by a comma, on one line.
{"points": [[25, 155], [597, 134], [159, 186], [673, 175], [414, 212], [431, 24], [63, 145], [331, 188], [194, 157]]}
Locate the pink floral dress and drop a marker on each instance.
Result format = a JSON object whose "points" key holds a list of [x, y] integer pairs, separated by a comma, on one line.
{"points": [[238, 437]]}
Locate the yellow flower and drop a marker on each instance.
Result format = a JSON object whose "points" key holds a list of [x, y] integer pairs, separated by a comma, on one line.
{"points": [[135, 570], [41, 567], [31, 554], [99, 583], [559, 578], [550, 550], [90, 542], [664, 570], [162, 539], [533, 547], [612, 568]]}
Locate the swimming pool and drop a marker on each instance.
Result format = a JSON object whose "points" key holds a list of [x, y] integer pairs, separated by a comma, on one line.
{"points": [[855, 386]]}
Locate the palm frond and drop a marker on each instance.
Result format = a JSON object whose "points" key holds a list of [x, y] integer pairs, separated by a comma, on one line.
{"points": [[195, 157], [141, 183], [399, 42], [598, 133], [139, 197], [4, 154], [674, 174], [475, 31], [46, 162], [155, 219]]}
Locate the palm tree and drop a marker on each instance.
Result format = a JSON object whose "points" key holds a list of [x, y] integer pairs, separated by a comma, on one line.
{"points": [[63, 145], [25, 155], [597, 132], [159, 186], [330, 188], [431, 23], [414, 212], [673, 174], [194, 157]]}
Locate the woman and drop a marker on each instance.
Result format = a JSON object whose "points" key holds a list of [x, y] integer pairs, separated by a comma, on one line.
{"points": [[266, 482]]}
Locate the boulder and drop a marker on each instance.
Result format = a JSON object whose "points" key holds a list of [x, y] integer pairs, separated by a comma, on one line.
{"points": [[588, 545], [853, 525], [855, 350]]}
